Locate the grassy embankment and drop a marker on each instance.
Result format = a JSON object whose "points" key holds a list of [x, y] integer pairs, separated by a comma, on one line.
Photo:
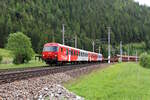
{"points": [[125, 81], [8, 58]]}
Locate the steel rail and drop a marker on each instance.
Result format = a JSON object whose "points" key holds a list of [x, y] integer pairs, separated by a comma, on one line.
{"points": [[11, 76]]}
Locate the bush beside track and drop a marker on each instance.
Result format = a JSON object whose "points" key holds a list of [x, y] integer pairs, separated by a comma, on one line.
{"points": [[145, 60], [7, 59]]}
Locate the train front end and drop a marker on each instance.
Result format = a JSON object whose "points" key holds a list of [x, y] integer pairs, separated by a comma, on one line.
{"points": [[50, 53]]}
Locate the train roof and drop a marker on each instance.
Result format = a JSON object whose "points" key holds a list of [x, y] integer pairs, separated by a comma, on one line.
{"points": [[58, 44]]}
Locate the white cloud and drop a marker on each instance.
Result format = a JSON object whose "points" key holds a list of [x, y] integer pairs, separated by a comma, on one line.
{"points": [[143, 2]]}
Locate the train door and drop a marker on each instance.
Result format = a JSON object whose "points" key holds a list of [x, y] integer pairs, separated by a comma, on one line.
{"points": [[65, 54], [69, 55], [60, 53], [89, 57]]}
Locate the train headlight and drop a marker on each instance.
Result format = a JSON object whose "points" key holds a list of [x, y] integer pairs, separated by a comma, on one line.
{"points": [[43, 55]]}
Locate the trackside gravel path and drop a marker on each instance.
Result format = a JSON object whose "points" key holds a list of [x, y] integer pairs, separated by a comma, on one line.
{"points": [[49, 86]]}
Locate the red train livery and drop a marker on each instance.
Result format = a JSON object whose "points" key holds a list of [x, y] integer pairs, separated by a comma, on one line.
{"points": [[54, 53], [126, 58]]}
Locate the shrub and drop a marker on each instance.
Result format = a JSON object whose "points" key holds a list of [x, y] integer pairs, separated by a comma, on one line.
{"points": [[145, 60], [21, 46], [1, 58]]}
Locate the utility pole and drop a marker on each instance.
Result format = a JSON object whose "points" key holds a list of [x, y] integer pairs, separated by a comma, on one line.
{"points": [[109, 56], [63, 32], [53, 38], [75, 41], [121, 51], [136, 56], [99, 49], [128, 53], [93, 46]]}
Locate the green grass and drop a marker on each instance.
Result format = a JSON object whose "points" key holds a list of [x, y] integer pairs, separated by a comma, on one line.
{"points": [[125, 81], [6, 53], [8, 58], [32, 63]]}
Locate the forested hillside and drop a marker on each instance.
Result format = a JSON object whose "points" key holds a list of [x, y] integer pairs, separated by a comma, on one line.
{"points": [[42, 21]]}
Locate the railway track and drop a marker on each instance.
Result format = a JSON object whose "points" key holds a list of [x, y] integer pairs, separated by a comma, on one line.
{"points": [[3, 71], [8, 76]]}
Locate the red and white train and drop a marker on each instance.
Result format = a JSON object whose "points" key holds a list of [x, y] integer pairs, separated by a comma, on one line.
{"points": [[54, 53]]}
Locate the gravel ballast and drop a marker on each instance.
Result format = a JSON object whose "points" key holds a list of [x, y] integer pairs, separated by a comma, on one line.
{"points": [[49, 86]]}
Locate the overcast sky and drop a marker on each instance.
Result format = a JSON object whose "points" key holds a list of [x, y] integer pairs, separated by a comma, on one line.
{"points": [[146, 2]]}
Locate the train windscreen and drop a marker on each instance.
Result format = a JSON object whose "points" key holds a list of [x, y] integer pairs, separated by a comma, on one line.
{"points": [[50, 48]]}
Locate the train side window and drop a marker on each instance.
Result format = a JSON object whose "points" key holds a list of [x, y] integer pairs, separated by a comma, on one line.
{"points": [[75, 53], [66, 51], [71, 52], [61, 49]]}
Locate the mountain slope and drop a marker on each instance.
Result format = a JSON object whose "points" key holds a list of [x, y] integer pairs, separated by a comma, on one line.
{"points": [[42, 21]]}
